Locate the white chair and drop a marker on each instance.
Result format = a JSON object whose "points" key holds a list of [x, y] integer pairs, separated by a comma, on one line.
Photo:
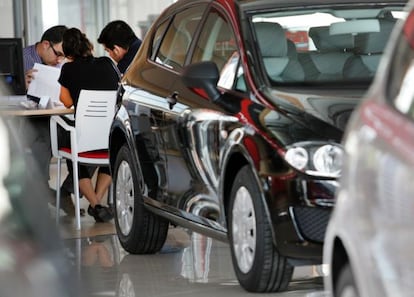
{"points": [[89, 138]]}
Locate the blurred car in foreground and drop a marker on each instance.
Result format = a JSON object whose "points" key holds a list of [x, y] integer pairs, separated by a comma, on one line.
{"points": [[33, 261], [229, 123], [369, 240]]}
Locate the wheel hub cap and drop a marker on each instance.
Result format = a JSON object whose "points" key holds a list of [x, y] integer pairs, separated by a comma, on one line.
{"points": [[124, 198], [244, 230]]}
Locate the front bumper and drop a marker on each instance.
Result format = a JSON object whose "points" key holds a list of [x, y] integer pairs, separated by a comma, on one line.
{"points": [[300, 210]]}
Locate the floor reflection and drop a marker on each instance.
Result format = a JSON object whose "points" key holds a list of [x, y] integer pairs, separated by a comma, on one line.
{"points": [[196, 259], [190, 264]]}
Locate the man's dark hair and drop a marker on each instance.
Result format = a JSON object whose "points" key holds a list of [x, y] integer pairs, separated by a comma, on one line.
{"points": [[54, 34], [117, 33]]}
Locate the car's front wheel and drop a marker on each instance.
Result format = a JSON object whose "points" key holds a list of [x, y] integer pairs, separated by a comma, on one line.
{"points": [[139, 231], [258, 265]]}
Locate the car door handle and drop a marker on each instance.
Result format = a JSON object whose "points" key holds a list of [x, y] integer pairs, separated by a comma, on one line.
{"points": [[172, 99]]}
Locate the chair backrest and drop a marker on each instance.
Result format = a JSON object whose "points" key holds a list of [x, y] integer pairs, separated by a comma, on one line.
{"points": [[94, 115]]}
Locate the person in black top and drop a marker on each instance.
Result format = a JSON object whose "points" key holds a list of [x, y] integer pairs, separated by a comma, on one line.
{"points": [[84, 71], [121, 43]]}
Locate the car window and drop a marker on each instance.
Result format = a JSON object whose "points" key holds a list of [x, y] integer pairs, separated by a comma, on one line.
{"points": [[176, 41], [400, 90], [157, 40], [338, 45], [217, 43]]}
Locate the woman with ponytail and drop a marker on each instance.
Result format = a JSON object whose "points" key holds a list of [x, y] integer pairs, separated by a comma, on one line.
{"points": [[84, 71]]}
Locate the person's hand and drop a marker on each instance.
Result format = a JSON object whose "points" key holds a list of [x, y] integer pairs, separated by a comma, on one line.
{"points": [[29, 76]]}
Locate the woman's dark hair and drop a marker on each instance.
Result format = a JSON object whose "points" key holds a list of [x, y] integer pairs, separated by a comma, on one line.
{"points": [[76, 44], [117, 33]]}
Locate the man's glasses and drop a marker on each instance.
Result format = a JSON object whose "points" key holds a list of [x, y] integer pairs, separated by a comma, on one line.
{"points": [[57, 54]]}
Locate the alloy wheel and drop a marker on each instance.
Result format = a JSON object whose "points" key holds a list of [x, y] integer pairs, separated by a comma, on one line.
{"points": [[244, 229], [124, 198]]}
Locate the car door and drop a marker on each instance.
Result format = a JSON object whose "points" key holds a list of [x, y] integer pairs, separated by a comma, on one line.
{"points": [[202, 128], [193, 126], [170, 48]]}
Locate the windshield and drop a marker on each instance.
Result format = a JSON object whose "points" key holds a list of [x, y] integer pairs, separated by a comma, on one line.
{"points": [[323, 45]]}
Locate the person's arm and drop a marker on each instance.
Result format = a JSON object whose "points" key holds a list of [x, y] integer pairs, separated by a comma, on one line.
{"points": [[65, 97]]}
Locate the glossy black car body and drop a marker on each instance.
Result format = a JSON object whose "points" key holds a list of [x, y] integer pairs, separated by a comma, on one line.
{"points": [[225, 131]]}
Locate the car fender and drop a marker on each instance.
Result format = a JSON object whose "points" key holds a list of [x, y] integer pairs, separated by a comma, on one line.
{"points": [[242, 147], [121, 133]]}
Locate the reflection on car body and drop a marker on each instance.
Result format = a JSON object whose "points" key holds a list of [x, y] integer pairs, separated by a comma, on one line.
{"points": [[227, 127]]}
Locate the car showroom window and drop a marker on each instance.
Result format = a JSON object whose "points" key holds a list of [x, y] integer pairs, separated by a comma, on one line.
{"points": [[400, 88], [176, 41], [217, 43]]}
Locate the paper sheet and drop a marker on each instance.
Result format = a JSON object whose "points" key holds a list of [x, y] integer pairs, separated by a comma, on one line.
{"points": [[45, 82]]}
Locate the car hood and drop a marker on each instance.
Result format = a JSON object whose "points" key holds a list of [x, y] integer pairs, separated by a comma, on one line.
{"points": [[299, 117]]}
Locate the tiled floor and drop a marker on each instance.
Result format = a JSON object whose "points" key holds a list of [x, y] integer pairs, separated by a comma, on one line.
{"points": [[189, 265]]}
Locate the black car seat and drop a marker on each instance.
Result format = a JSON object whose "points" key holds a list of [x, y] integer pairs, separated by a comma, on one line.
{"points": [[273, 45]]}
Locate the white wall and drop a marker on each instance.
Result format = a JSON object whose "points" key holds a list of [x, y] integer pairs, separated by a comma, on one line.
{"points": [[88, 15], [6, 18], [136, 12]]}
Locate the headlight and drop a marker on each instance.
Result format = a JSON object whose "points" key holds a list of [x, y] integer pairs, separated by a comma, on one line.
{"points": [[316, 158], [328, 158], [298, 157]]}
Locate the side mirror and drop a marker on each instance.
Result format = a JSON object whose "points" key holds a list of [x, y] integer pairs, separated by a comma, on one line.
{"points": [[203, 75]]}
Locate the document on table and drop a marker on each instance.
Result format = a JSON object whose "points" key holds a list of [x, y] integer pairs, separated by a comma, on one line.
{"points": [[45, 82]]}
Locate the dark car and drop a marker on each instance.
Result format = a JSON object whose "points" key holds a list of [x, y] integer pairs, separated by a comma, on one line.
{"points": [[229, 123]]}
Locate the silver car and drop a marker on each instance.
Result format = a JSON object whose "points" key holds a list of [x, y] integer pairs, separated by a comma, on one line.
{"points": [[370, 237]]}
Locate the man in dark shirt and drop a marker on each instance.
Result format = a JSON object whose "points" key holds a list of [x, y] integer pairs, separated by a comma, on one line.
{"points": [[121, 43]]}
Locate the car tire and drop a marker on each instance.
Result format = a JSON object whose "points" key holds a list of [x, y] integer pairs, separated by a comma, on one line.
{"points": [[139, 231], [258, 265], [346, 284]]}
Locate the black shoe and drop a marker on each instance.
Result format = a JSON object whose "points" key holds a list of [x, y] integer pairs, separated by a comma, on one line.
{"points": [[92, 213], [100, 213]]}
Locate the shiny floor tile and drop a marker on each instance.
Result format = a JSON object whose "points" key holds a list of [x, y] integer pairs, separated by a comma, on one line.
{"points": [[189, 264]]}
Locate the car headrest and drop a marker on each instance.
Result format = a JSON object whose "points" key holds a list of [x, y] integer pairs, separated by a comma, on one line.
{"points": [[374, 42], [272, 39], [326, 42]]}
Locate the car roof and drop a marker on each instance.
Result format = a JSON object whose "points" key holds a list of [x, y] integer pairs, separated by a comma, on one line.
{"points": [[305, 3], [263, 4], [255, 4]]}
